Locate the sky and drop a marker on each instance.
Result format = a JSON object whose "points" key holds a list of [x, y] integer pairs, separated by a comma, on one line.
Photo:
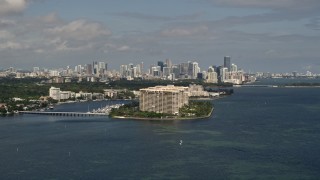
{"points": [[259, 35]]}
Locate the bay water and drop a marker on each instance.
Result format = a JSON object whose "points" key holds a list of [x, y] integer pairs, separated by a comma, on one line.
{"points": [[256, 133]]}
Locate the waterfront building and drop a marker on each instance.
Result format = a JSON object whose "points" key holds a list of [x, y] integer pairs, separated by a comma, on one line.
{"points": [[197, 91], [54, 93], [212, 76], [224, 74], [163, 99], [65, 95]]}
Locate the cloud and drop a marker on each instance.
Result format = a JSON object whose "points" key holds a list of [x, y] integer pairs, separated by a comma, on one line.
{"points": [[79, 30], [11, 45], [184, 31], [149, 17], [314, 24], [6, 35], [4, 23], [10, 7]]}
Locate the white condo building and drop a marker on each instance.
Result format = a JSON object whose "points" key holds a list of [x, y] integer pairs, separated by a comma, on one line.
{"points": [[54, 93], [163, 99]]}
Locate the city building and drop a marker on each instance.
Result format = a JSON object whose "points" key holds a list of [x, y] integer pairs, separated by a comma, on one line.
{"points": [[212, 76], [227, 62], [54, 93], [163, 99], [197, 91]]}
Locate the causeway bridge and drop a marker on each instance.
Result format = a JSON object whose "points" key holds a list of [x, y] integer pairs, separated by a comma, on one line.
{"points": [[72, 114], [254, 85]]}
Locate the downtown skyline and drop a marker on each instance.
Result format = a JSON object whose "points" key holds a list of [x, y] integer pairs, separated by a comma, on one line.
{"points": [[267, 36]]}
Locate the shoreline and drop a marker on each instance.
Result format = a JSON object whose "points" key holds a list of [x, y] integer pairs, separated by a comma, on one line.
{"points": [[163, 119]]}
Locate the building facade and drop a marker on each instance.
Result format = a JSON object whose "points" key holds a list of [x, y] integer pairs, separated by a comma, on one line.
{"points": [[54, 93], [163, 99], [227, 62]]}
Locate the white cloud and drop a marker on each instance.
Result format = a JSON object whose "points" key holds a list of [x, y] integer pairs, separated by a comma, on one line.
{"points": [[184, 31], [12, 45], [8, 7], [79, 30], [6, 34]]}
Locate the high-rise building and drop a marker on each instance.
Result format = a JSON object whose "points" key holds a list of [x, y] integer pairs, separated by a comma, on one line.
{"points": [[167, 71], [224, 74], [123, 71], [195, 70], [163, 99], [161, 64], [95, 67], [184, 68], [89, 69], [227, 62], [212, 76], [54, 93], [168, 63], [175, 70], [234, 68]]}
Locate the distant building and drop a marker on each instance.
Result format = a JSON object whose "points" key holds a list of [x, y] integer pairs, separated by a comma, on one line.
{"points": [[197, 91], [57, 94], [212, 76], [227, 62], [163, 99], [54, 93], [224, 74]]}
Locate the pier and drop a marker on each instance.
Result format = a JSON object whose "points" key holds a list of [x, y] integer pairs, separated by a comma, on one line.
{"points": [[72, 114]]}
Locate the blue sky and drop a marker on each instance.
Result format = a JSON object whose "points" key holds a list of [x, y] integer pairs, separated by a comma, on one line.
{"points": [[269, 36]]}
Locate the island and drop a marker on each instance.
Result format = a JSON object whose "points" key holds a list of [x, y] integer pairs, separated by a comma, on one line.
{"points": [[164, 103], [194, 110]]}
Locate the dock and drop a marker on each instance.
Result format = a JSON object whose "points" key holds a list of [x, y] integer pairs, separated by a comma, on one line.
{"points": [[72, 114]]}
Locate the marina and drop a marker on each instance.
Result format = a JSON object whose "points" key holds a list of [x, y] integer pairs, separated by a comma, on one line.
{"points": [[103, 111]]}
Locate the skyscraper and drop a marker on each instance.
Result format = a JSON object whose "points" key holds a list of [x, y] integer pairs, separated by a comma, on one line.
{"points": [[123, 71], [89, 69], [195, 70], [227, 62], [168, 63], [161, 64]]}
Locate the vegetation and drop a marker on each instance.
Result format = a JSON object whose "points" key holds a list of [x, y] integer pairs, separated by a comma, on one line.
{"points": [[23, 88], [196, 109], [132, 110], [139, 83], [33, 88]]}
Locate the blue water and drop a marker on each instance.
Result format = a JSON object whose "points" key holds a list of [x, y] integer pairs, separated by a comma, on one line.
{"points": [[257, 133]]}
